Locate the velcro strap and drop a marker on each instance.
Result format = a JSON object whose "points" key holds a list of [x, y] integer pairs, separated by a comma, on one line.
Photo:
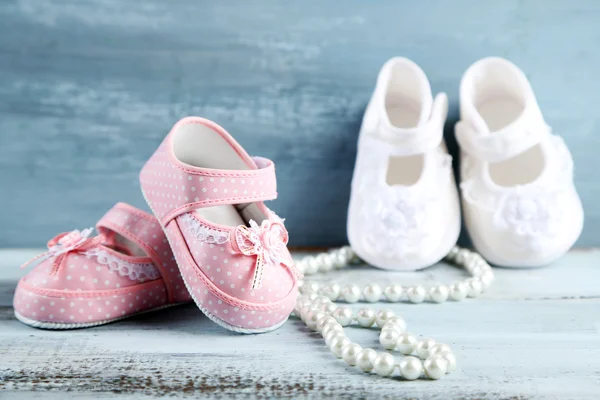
{"points": [[501, 145], [177, 190], [420, 139], [408, 142], [140, 228]]}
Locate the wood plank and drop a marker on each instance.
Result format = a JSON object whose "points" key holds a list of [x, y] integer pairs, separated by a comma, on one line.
{"points": [[535, 335], [89, 88], [542, 349]]}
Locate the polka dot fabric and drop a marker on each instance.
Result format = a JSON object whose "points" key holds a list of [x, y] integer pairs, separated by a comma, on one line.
{"points": [[218, 276], [172, 188], [84, 290], [232, 273], [144, 230], [229, 310]]}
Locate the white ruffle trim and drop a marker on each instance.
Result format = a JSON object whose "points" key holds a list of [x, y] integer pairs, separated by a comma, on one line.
{"points": [[134, 271], [202, 232]]}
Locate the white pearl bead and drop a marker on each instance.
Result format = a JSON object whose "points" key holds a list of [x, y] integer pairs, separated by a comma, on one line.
{"points": [[311, 265], [406, 343], [332, 291], [331, 335], [365, 359], [305, 310], [321, 300], [365, 317], [411, 368], [416, 294], [397, 323], [435, 367], [337, 344], [339, 261], [300, 266], [328, 308], [450, 358], [302, 302], [311, 319], [382, 317], [473, 266], [350, 352], [384, 364], [310, 287], [439, 294], [343, 315], [486, 279], [462, 257], [453, 252], [325, 262], [474, 287], [331, 326], [372, 293], [439, 348], [458, 291], [393, 293], [351, 293], [388, 338], [347, 253], [476, 258], [307, 302], [324, 321], [423, 347]]}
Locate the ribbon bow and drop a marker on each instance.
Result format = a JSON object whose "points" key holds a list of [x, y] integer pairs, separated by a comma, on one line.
{"points": [[267, 242], [64, 243]]}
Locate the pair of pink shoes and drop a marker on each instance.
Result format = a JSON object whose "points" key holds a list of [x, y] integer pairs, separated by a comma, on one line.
{"points": [[211, 240]]}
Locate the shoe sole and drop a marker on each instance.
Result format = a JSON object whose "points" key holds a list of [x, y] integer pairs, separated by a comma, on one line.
{"points": [[65, 326]]}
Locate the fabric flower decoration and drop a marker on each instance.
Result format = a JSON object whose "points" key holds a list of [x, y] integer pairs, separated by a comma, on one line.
{"points": [[68, 241], [402, 223], [530, 218], [64, 243], [266, 241]]}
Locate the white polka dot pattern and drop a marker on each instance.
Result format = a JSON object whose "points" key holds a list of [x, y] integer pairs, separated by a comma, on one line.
{"points": [[232, 310], [217, 274], [74, 308], [83, 290], [170, 187], [145, 230], [232, 272]]}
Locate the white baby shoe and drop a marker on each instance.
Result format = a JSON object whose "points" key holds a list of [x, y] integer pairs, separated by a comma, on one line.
{"points": [[519, 201], [404, 211]]}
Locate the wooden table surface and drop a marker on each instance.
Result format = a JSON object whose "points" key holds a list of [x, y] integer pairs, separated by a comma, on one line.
{"points": [[534, 335]]}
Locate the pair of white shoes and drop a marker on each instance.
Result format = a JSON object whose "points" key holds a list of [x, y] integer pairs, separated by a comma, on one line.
{"points": [[519, 202]]}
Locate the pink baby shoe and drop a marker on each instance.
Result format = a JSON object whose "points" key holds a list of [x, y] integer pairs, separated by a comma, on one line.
{"points": [[84, 280], [207, 194]]}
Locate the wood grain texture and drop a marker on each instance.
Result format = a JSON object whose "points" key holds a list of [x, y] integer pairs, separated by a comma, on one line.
{"points": [[89, 88], [534, 335]]}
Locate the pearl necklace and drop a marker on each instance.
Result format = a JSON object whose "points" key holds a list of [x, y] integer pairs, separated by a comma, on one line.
{"points": [[481, 271], [438, 358], [316, 308]]}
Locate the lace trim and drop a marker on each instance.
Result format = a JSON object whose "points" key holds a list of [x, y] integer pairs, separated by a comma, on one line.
{"points": [[134, 271], [531, 219], [202, 232]]}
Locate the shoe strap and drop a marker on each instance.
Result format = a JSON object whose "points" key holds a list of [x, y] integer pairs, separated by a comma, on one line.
{"points": [[503, 144], [411, 141], [179, 189], [143, 230]]}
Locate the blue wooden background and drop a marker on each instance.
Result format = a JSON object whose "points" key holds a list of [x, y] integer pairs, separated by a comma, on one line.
{"points": [[88, 89]]}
